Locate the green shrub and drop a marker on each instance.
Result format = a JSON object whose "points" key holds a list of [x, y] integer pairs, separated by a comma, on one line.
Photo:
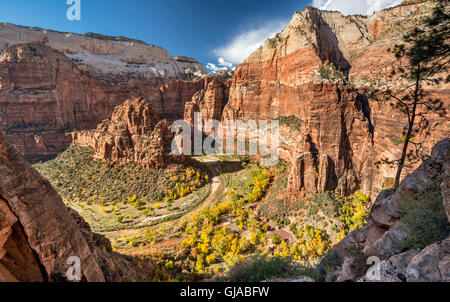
{"points": [[328, 266], [120, 218], [276, 239], [79, 178], [169, 265], [291, 121], [330, 73], [273, 42], [259, 268], [425, 219]]}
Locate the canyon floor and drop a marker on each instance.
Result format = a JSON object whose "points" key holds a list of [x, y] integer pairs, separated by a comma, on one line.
{"points": [[237, 210]]}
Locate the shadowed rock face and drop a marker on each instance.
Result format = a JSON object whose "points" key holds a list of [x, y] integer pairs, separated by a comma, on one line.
{"points": [[17, 261], [37, 234], [384, 230]]}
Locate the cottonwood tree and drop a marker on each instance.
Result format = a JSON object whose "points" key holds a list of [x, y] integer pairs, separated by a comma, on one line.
{"points": [[421, 62]]}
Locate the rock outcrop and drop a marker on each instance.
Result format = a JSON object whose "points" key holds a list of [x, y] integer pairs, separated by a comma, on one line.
{"points": [[134, 133], [211, 100], [432, 264], [385, 230], [298, 71], [37, 233], [17, 260], [44, 96]]}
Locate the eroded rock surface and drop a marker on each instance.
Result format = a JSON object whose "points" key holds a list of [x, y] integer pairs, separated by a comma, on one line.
{"points": [[37, 234], [17, 260], [294, 73], [134, 133], [211, 100], [385, 230], [44, 96]]}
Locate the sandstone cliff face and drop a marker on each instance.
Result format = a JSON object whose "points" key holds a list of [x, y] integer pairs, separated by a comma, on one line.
{"points": [[116, 57], [385, 230], [17, 261], [343, 133], [37, 234], [134, 133], [44, 96], [211, 100]]}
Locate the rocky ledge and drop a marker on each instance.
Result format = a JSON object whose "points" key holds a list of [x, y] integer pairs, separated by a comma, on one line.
{"points": [[401, 220]]}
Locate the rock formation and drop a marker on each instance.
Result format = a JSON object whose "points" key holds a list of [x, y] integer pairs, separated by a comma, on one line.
{"points": [[104, 56], [44, 96], [37, 234], [211, 100], [134, 133], [385, 230], [344, 134]]}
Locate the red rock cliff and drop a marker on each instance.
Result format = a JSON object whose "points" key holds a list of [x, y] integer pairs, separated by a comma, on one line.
{"points": [[37, 233], [134, 133], [44, 96], [343, 134]]}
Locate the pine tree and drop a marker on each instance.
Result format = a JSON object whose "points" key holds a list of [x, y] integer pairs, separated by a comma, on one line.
{"points": [[421, 62]]}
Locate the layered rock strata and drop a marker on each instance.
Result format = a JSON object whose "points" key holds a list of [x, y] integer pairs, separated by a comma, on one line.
{"points": [[37, 233], [133, 134]]}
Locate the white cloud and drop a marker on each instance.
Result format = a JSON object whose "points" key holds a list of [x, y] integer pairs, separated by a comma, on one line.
{"points": [[249, 40], [221, 65], [224, 63], [353, 7]]}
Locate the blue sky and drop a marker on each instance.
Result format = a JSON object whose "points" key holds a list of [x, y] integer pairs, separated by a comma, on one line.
{"points": [[204, 29]]}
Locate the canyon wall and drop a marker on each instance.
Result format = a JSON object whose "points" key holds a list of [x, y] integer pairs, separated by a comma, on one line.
{"points": [[58, 83], [343, 135], [44, 96], [37, 233], [211, 100]]}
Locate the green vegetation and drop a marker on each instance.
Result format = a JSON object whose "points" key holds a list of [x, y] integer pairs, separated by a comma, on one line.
{"points": [[209, 242], [261, 268], [317, 223], [212, 239], [111, 38], [330, 73], [79, 177], [276, 239], [112, 197], [273, 42], [328, 266], [425, 219], [292, 122]]}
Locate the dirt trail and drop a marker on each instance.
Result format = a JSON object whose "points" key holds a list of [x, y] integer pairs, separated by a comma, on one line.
{"points": [[215, 191]]}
